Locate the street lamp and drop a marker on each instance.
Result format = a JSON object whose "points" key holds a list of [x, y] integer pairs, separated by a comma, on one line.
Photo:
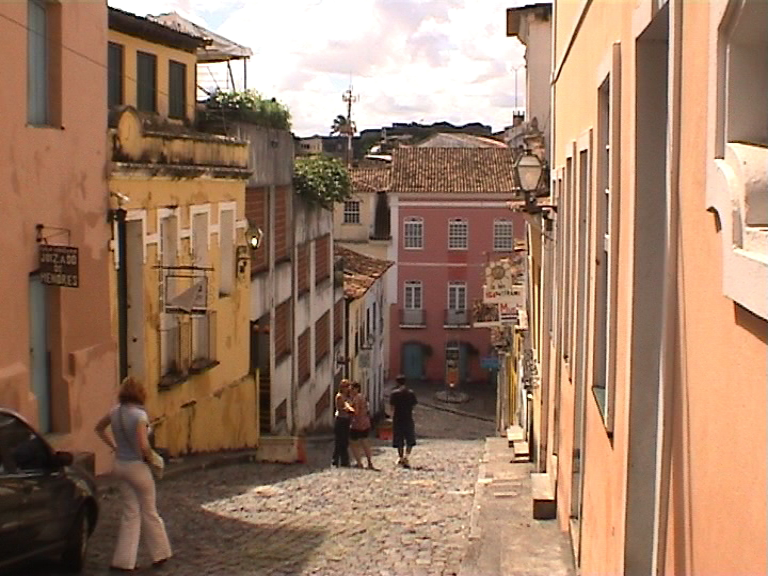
{"points": [[528, 170]]}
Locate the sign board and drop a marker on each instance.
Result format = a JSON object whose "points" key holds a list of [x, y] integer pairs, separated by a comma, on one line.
{"points": [[512, 295], [508, 314], [59, 265], [504, 281], [489, 363], [485, 315]]}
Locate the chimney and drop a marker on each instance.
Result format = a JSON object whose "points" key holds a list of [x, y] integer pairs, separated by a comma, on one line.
{"points": [[517, 119]]}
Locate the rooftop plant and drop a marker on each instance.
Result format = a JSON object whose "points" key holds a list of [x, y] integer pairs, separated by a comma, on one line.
{"points": [[248, 106], [321, 180]]}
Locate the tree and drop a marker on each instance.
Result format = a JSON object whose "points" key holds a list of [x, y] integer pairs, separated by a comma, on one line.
{"points": [[341, 127], [321, 180]]}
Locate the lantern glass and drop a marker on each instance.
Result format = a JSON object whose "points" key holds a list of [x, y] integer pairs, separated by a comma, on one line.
{"points": [[529, 172]]}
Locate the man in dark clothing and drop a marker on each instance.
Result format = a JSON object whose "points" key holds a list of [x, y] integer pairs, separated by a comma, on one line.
{"points": [[402, 401]]}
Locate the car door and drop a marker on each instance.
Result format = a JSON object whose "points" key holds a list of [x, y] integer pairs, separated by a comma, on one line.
{"points": [[11, 499], [42, 522]]}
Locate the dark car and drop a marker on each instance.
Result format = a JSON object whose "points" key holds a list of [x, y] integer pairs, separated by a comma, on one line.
{"points": [[48, 507]]}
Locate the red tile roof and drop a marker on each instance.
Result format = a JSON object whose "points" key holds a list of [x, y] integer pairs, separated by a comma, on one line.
{"points": [[370, 179], [360, 271], [453, 170]]}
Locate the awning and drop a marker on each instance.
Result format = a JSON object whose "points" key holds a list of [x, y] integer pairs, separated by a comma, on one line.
{"points": [[218, 48]]}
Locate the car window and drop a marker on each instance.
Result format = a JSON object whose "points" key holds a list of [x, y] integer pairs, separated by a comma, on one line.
{"points": [[21, 449]]}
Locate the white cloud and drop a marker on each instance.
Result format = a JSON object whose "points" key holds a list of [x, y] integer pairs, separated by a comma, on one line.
{"points": [[410, 60]]}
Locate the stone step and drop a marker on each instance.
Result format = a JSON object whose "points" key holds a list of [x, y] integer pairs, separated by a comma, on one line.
{"points": [[522, 451], [514, 434], [544, 505]]}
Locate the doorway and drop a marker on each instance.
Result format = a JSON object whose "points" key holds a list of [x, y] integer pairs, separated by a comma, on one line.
{"points": [[413, 360], [39, 351]]}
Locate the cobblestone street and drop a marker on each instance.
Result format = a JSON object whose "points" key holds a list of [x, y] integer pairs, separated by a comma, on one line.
{"points": [[312, 519]]}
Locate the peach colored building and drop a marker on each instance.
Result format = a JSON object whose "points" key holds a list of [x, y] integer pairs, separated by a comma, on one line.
{"points": [[58, 358], [656, 364]]}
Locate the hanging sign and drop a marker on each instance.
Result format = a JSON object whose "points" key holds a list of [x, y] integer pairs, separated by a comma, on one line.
{"points": [[59, 265]]}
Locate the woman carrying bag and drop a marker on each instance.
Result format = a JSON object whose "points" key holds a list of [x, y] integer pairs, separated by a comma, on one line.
{"points": [[134, 463]]}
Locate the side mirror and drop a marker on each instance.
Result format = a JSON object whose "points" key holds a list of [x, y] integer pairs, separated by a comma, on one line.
{"points": [[61, 459]]}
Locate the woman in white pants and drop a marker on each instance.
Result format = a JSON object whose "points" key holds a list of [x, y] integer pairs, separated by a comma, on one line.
{"points": [[130, 441]]}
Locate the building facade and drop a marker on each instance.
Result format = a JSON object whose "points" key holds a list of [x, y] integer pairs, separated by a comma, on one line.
{"points": [[449, 219], [367, 310], [297, 308], [179, 281], [58, 364], [658, 302]]}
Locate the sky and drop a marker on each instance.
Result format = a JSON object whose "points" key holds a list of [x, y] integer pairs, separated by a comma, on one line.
{"points": [[408, 60]]}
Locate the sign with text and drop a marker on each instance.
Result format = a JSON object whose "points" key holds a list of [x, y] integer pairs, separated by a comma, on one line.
{"points": [[59, 266], [509, 295]]}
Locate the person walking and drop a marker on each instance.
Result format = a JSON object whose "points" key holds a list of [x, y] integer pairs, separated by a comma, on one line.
{"points": [[360, 426], [342, 418], [130, 442], [402, 399]]}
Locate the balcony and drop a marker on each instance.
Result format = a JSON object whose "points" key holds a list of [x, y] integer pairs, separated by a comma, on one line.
{"points": [[456, 319], [413, 318]]}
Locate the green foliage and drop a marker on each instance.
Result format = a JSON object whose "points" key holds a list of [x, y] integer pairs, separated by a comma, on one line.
{"points": [[321, 180], [249, 106]]}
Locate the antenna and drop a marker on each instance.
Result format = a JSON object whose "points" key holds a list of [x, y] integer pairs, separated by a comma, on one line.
{"points": [[350, 98]]}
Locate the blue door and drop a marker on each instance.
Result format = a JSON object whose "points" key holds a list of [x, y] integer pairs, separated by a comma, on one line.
{"points": [[413, 361], [38, 351]]}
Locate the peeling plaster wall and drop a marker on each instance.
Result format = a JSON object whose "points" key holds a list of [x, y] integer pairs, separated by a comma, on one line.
{"points": [[56, 176]]}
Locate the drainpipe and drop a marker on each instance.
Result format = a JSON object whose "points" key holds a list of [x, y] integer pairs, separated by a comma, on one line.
{"points": [[348, 362], [122, 294], [669, 329]]}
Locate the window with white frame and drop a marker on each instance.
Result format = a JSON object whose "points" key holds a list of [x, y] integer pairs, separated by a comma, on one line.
{"points": [[170, 336], [413, 295], [457, 296], [413, 233], [458, 234], [738, 147], [352, 212], [503, 236], [607, 164]]}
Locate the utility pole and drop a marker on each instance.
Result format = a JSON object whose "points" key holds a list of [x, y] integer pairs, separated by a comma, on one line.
{"points": [[349, 97]]}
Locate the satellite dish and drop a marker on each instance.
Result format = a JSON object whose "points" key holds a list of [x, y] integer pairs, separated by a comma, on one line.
{"points": [[254, 236]]}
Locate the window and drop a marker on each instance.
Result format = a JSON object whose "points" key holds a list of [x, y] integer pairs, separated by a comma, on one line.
{"points": [[352, 212], [177, 90], [170, 360], [413, 295], [38, 95], [458, 234], [413, 233], [202, 324], [457, 296], [737, 140], [146, 81], [503, 236], [21, 450], [608, 102], [115, 74], [227, 251]]}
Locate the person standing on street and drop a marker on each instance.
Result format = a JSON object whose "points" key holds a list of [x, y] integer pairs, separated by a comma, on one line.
{"points": [[343, 417], [402, 401], [130, 424], [360, 427]]}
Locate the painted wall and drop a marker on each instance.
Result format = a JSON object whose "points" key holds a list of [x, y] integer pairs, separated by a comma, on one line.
{"points": [[435, 266], [55, 176], [183, 411], [698, 491], [164, 54]]}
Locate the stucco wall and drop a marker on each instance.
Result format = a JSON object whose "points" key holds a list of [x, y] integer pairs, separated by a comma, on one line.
{"points": [[55, 176], [435, 266]]}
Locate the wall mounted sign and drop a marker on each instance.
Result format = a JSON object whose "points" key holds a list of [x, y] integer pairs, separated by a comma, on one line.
{"points": [[59, 265], [504, 281]]}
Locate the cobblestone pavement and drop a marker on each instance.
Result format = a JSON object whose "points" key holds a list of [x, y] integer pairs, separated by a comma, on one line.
{"points": [[270, 519]]}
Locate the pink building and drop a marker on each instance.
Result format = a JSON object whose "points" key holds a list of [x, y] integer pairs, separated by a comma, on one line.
{"points": [[449, 217]]}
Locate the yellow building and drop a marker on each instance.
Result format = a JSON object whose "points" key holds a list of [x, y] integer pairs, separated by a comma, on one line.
{"points": [[181, 276]]}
